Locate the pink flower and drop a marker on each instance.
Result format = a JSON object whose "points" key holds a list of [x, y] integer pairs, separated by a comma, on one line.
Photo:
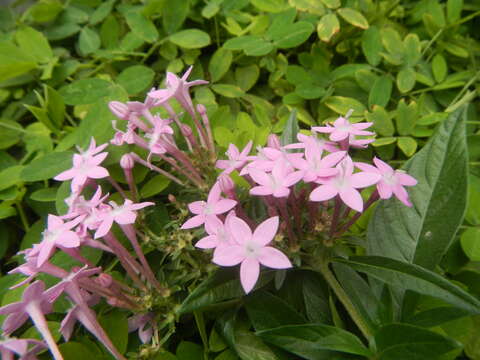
{"points": [[144, 324], [57, 234], [277, 183], [123, 215], [392, 181], [313, 139], [218, 234], [342, 129], [236, 159], [10, 346], [345, 184], [206, 211], [251, 250], [314, 166], [85, 166]]}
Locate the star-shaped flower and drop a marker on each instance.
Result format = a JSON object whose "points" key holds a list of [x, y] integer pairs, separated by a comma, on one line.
{"points": [[236, 159], [276, 183], [342, 129]]}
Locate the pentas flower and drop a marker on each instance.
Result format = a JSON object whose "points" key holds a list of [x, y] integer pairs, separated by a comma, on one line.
{"points": [[144, 324], [35, 304], [251, 250], [122, 137], [121, 214], [85, 166], [206, 211], [342, 129], [218, 234], [11, 346], [276, 183], [345, 184], [161, 128], [392, 182], [314, 166], [57, 234], [267, 157], [236, 159], [313, 139]]}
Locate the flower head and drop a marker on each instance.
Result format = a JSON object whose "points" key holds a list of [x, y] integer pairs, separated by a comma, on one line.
{"points": [[342, 129], [276, 183], [236, 159]]}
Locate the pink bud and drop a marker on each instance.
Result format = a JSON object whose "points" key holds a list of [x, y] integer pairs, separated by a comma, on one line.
{"points": [[273, 141], [119, 109], [201, 109], [186, 130], [104, 280], [172, 198], [226, 183], [113, 301], [127, 162]]}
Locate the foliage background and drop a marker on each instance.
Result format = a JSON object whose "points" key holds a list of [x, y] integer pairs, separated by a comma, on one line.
{"points": [[405, 65]]}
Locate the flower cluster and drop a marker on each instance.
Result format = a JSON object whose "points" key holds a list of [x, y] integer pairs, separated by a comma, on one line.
{"points": [[290, 178]]}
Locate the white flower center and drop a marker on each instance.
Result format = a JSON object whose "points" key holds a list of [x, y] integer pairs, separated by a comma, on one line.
{"points": [[390, 179]]}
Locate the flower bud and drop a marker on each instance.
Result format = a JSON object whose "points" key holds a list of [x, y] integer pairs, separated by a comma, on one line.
{"points": [[104, 280], [119, 109], [186, 130], [201, 109], [172, 198], [273, 141], [127, 162], [226, 183]]}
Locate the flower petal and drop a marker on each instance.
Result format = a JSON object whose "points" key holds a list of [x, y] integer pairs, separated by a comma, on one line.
{"points": [[323, 192], [228, 255], [239, 230], [260, 190], [208, 242], [223, 206], [273, 258], [364, 179], [249, 272], [196, 207], [193, 222], [265, 232], [352, 198]]}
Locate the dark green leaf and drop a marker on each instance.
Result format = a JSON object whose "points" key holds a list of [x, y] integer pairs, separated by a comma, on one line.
{"points": [[136, 78], [470, 241], [187, 350], [292, 35], [101, 12], [407, 276], [314, 341], [291, 129], [437, 316], [89, 41], [372, 45], [154, 186], [47, 166], [116, 325], [421, 234], [76, 351], [141, 26], [382, 122], [85, 91], [220, 63], [380, 92], [174, 14]]}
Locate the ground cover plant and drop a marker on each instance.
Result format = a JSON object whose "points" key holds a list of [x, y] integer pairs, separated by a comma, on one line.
{"points": [[233, 192]]}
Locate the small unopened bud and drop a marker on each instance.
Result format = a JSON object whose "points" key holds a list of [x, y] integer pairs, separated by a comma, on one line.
{"points": [[226, 183], [172, 198], [273, 141], [186, 130], [119, 109], [104, 280], [127, 162], [201, 109], [114, 302]]}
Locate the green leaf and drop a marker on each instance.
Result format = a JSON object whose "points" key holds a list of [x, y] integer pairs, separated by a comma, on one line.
{"points": [[406, 79], [372, 45], [422, 234], [406, 117], [272, 6], [45, 10], [223, 285], [314, 341], [473, 211], [10, 176], [402, 341], [76, 351], [154, 186], [44, 195], [413, 49], [439, 68], [247, 76], [250, 44], [47, 166], [331, 4], [187, 350], [227, 90], [136, 78], [470, 241], [380, 92], [250, 347], [88, 41], [41, 115], [341, 105], [34, 43], [141, 26], [454, 10], [382, 121], [174, 13], [353, 17], [14, 61], [292, 35], [190, 39], [116, 325], [327, 27], [101, 12], [55, 106], [85, 91], [413, 277], [10, 133], [291, 129], [7, 211], [408, 145], [110, 32], [62, 31], [220, 63], [436, 316]]}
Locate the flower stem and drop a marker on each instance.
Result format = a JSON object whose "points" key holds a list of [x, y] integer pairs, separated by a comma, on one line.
{"points": [[344, 299]]}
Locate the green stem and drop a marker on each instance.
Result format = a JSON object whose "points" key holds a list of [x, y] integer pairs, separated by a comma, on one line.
{"points": [[23, 216], [344, 299]]}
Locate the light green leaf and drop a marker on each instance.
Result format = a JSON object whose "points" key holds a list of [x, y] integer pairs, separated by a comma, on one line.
{"points": [[470, 241], [406, 117], [7, 210], [141, 26], [422, 233], [89, 41], [382, 121], [220, 63], [331, 4], [272, 6], [44, 195], [380, 92], [47, 166], [247, 76], [45, 10], [413, 49], [14, 61], [85, 91], [291, 129], [372, 45], [10, 133], [341, 105], [10, 176], [34, 43], [408, 145], [154, 186], [227, 90], [190, 39], [327, 27], [101, 12], [292, 35], [136, 78], [454, 10], [174, 13], [76, 351], [353, 17], [406, 79], [116, 325], [439, 68]]}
